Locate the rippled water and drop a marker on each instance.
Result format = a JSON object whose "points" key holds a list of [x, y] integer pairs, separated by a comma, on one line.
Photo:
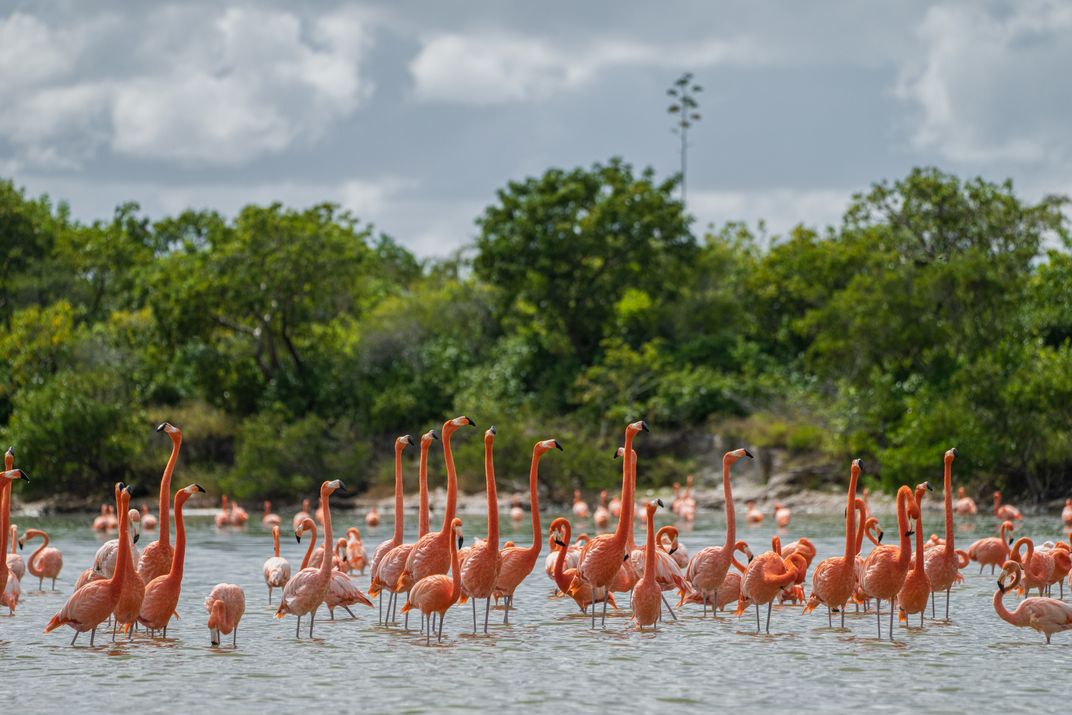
{"points": [[545, 660]]}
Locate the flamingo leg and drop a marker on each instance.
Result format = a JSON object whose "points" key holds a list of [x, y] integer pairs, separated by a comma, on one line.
{"points": [[829, 618], [379, 617], [769, 604], [350, 612], [297, 627], [405, 621], [843, 616], [878, 615], [269, 595], [165, 630], [606, 597], [92, 636], [487, 612], [672, 615], [892, 601], [757, 618], [704, 606], [234, 638], [921, 618], [947, 602], [474, 615], [75, 637], [428, 633], [932, 604], [439, 636], [312, 617]]}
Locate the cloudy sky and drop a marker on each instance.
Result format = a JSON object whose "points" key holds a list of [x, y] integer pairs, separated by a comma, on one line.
{"points": [[412, 114]]}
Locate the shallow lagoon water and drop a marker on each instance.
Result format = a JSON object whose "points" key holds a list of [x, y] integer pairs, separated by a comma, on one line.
{"points": [[546, 660]]}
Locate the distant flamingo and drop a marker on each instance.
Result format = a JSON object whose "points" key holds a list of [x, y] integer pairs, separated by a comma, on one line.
{"points": [[156, 558], [647, 596], [1062, 564], [148, 519], [688, 502], [993, 550], [1045, 615], [386, 581], [580, 506], [518, 561], [225, 605], [675, 503], [433, 595], [431, 554], [965, 505], [516, 512], [239, 516], [100, 522], [753, 515], [942, 564], [16, 566], [269, 519], [764, 579], [481, 570], [302, 515], [372, 519], [602, 557], [1037, 565], [223, 516], [615, 506], [709, 566], [782, 515], [45, 562], [1005, 512], [602, 515], [276, 568], [885, 567], [132, 592], [304, 593], [162, 593], [1066, 513], [356, 555], [91, 604], [916, 590], [834, 579]]}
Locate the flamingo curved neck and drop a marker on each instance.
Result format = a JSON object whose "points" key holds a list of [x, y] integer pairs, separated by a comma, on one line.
{"points": [[904, 553], [534, 501], [326, 564], [560, 561], [124, 561], [310, 548]]}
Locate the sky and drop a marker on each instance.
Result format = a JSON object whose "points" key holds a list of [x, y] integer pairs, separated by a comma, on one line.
{"points": [[412, 114]]}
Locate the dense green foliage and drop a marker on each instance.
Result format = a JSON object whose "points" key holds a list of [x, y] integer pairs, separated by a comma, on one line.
{"points": [[294, 344]]}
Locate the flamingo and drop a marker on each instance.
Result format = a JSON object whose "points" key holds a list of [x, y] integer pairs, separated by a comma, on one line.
{"points": [[225, 605], [46, 561], [132, 591], [302, 515], [431, 554], [148, 519], [107, 555], [602, 515], [269, 519], [867, 527], [276, 568], [1037, 565], [782, 515], [100, 522], [304, 593], [372, 519], [1005, 512], [341, 590], [223, 516], [965, 505], [675, 503], [993, 550], [356, 555], [647, 596], [834, 579], [566, 577], [481, 570], [917, 584], [615, 507], [709, 565], [518, 561], [15, 564], [156, 558], [764, 579], [379, 583], [1062, 564], [885, 567], [434, 594], [423, 511], [753, 515], [92, 603], [516, 512], [1066, 513], [6, 477], [239, 516], [162, 593], [943, 564], [1045, 615], [601, 558], [688, 502], [580, 506]]}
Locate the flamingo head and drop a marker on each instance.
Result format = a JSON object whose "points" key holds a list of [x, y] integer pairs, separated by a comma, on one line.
{"points": [[172, 431], [546, 445], [635, 428], [1010, 569], [428, 437], [456, 527], [9, 458], [732, 456], [13, 474], [489, 435], [335, 485], [950, 455], [560, 532], [857, 466], [450, 426]]}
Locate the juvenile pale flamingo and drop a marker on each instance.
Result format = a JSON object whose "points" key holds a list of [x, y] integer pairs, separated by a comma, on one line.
{"points": [[834, 579], [434, 594], [943, 564], [91, 604], [602, 515], [276, 568], [993, 550], [965, 505], [885, 567], [148, 519], [269, 519], [225, 605], [782, 515], [356, 555], [480, 572], [647, 596], [156, 557], [580, 506], [341, 589], [602, 557], [916, 590], [132, 592], [1066, 513], [1037, 565], [45, 562], [518, 561], [1005, 512], [431, 554], [378, 583], [372, 519], [564, 575], [304, 593], [754, 515], [709, 565], [105, 559], [1045, 615], [764, 579], [302, 515], [162, 593]]}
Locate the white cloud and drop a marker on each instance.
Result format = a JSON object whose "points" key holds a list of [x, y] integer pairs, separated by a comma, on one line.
{"points": [[492, 68], [779, 209], [992, 86], [199, 87]]}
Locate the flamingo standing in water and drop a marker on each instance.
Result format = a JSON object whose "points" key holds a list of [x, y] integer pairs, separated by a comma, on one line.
{"points": [[302, 515], [431, 554], [518, 561], [1037, 565], [162, 593], [356, 555], [834, 579], [223, 516], [372, 519], [156, 558], [709, 565], [782, 515], [304, 593], [276, 568], [100, 522], [917, 585], [91, 604], [766, 576], [602, 557], [1066, 513], [14, 561], [434, 594], [239, 516], [580, 506], [943, 564], [993, 550], [1045, 615], [1005, 512], [481, 570], [132, 592], [341, 589], [46, 561], [566, 577], [688, 502], [108, 554], [647, 596], [885, 567], [269, 519], [754, 515], [384, 580], [516, 512], [148, 519], [225, 605], [602, 515], [965, 505]]}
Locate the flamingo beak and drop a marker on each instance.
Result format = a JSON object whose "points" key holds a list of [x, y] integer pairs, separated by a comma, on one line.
{"points": [[559, 447], [748, 454]]}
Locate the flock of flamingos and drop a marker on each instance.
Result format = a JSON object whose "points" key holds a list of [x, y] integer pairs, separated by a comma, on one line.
{"points": [[436, 573]]}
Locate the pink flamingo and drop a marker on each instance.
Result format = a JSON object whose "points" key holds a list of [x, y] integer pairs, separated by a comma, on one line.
{"points": [[46, 561], [754, 515], [565, 576], [223, 516], [356, 555], [602, 515], [1037, 565], [156, 558], [148, 519], [885, 567], [1066, 513], [433, 595], [965, 505], [1005, 512], [162, 593], [917, 585], [834, 580], [6, 478], [225, 605], [1045, 615], [580, 506], [269, 519], [132, 592], [993, 550], [943, 564], [766, 576], [372, 519], [782, 515], [390, 556], [302, 515], [341, 590], [647, 595], [107, 555], [481, 569], [15, 564]]}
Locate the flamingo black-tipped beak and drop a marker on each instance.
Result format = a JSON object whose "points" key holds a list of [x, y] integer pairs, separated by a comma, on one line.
{"points": [[136, 537], [750, 557], [910, 532], [435, 435], [880, 535], [558, 446], [410, 442], [672, 550], [461, 540], [615, 454], [343, 491], [929, 487], [129, 489], [297, 537], [471, 423], [1001, 587], [200, 488], [11, 451], [1010, 541], [560, 542], [492, 429], [660, 503], [160, 427], [22, 544], [644, 426], [24, 476], [955, 452], [748, 454]]}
